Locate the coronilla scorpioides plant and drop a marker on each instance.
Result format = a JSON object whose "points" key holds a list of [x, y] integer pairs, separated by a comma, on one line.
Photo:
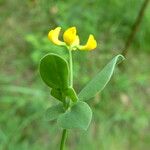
{"points": [[72, 111]]}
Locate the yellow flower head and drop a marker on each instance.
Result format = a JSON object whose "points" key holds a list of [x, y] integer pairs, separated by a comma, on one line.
{"points": [[53, 36], [71, 39], [69, 35], [90, 45]]}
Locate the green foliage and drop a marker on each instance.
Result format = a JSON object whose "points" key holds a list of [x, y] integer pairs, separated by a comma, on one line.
{"points": [[78, 116], [54, 71], [100, 80], [53, 112], [70, 92], [57, 93]]}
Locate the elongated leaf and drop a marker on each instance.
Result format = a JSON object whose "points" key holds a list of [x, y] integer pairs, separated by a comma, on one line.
{"points": [[54, 71], [79, 116], [53, 112], [98, 83]]}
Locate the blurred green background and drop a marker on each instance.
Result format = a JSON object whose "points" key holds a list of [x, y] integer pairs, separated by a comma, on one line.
{"points": [[121, 113]]}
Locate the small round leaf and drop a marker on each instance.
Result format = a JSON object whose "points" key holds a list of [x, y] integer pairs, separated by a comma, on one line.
{"points": [[54, 71], [53, 112], [79, 116]]}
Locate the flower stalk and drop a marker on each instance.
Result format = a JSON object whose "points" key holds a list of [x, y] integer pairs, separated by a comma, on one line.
{"points": [[64, 134], [71, 68], [63, 139]]}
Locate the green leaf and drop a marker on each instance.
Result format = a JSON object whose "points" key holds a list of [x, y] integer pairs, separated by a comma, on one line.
{"points": [[79, 116], [54, 71], [60, 95], [57, 93], [98, 83], [70, 92], [53, 112]]}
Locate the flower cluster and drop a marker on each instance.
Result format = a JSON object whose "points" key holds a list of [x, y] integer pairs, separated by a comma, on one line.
{"points": [[71, 39]]}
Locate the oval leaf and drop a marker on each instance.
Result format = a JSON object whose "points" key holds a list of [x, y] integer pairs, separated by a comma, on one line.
{"points": [[98, 83], [54, 71], [53, 112], [79, 116]]}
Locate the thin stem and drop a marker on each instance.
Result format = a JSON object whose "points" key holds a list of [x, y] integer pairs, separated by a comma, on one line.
{"points": [[135, 27], [71, 68], [64, 134], [63, 139]]}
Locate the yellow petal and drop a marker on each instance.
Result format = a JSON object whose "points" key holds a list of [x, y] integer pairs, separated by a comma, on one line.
{"points": [[53, 36], [76, 41], [69, 35], [90, 45]]}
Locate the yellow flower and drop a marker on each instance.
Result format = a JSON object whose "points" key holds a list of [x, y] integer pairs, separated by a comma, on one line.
{"points": [[71, 39], [69, 35], [90, 45], [53, 36]]}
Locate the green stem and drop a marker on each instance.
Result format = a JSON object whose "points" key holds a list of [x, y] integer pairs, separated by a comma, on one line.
{"points": [[63, 139], [64, 134], [71, 68]]}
